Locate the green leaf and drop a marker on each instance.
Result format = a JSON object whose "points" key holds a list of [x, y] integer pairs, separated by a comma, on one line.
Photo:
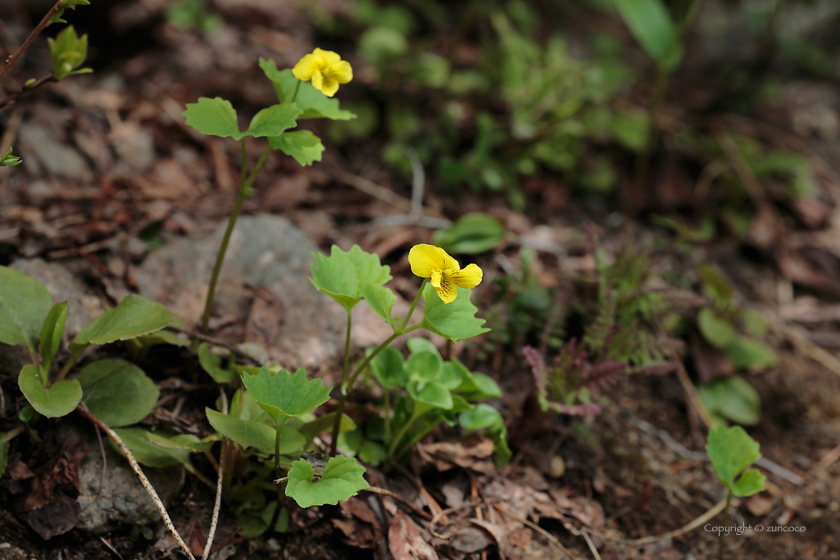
{"points": [[484, 416], [418, 344], [311, 101], [117, 392], [747, 353], [60, 399], [718, 331], [732, 450], [134, 316], [302, 145], [181, 441], [652, 26], [272, 121], [424, 367], [381, 300], [432, 395], [473, 233], [213, 117], [372, 453], [9, 159], [68, 52], [476, 386], [751, 482], [342, 274], [455, 321], [24, 306], [51, 333], [715, 286], [285, 394], [212, 364], [451, 377], [732, 398], [341, 480], [147, 453], [389, 368], [630, 128], [244, 432]]}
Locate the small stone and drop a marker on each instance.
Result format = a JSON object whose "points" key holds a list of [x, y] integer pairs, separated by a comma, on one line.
{"points": [[57, 157]]}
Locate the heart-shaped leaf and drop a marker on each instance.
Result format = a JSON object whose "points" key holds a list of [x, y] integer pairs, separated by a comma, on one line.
{"points": [[455, 321], [51, 333], [343, 273], [302, 145], [389, 368], [60, 399], [432, 395], [424, 367], [117, 392], [285, 394], [342, 479], [484, 416], [24, 306], [133, 317]]}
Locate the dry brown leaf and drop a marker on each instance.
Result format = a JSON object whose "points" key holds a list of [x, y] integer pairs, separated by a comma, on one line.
{"points": [[405, 541]]}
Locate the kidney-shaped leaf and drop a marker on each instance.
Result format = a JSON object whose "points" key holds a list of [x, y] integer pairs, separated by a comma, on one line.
{"points": [[24, 306], [455, 321], [283, 393], [58, 400], [117, 392], [341, 480], [133, 317]]}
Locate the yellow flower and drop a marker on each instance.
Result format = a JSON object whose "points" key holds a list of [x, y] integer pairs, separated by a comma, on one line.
{"points": [[324, 69], [444, 272]]}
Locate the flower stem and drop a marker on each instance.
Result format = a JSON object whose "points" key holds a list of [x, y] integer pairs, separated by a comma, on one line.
{"points": [[725, 519], [414, 304], [294, 95], [342, 398], [74, 357], [245, 183]]}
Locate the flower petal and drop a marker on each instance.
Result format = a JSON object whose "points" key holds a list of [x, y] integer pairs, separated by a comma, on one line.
{"points": [[469, 277], [305, 67], [341, 71], [437, 275], [317, 79], [447, 291], [330, 86], [329, 57], [425, 258]]}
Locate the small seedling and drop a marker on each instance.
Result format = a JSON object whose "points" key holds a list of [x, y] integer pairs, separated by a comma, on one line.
{"points": [[731, 451]]}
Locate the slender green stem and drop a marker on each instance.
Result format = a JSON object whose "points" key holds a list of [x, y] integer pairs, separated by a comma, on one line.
{"points": [[294, 95], [725, 520], [388, 414], [342, 398], [414, 304], [395, 442], [281, 494], [74, 357], [661, 86], [375, 353], [245, 183]]}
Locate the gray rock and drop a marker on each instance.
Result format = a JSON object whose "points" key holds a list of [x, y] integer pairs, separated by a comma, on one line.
{"points": [[62, 285], [58, 158], [136, 147], [114, 495], [299, 327]]}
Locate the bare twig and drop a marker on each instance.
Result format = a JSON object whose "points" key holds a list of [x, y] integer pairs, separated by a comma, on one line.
{"points": [[812, 350], [26, 90], [143, 480], [217, 342], [590, 544], [444, 512], [45, 22], [217, 506], [384, 492], [682, 530], [551, 538]]}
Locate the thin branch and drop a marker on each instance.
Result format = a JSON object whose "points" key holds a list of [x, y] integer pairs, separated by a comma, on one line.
{"points": [[143, 480], [682, 530], [26, 90], [45, 22], [384, 492], [218, 503]]}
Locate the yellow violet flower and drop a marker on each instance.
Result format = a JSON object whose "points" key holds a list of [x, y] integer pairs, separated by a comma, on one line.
{"points": [[324, 69], [444, 272]]}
